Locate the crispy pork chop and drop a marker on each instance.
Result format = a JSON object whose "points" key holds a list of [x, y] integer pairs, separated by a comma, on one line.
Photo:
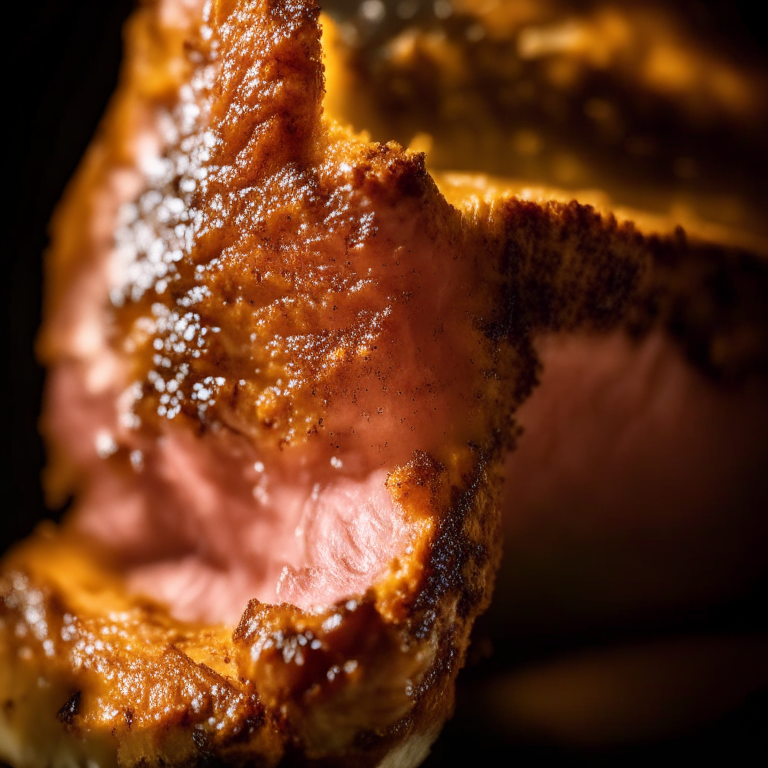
{"points": [[285, 366], [639, 490]]}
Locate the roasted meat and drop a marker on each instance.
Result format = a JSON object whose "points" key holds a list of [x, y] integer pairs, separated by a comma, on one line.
{"points": [[285, 363], [634, 502]]}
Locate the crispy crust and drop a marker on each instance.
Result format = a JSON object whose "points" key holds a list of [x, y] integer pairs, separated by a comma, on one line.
{"points": [[349, 684]]}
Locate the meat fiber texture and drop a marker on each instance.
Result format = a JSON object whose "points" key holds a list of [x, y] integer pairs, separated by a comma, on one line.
{"points": [[284, 371]]}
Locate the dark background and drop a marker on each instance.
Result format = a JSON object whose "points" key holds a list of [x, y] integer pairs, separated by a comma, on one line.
{"points": [[62, 67]]}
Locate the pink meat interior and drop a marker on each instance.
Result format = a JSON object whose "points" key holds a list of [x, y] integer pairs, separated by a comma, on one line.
{"points": [[204, 524]]}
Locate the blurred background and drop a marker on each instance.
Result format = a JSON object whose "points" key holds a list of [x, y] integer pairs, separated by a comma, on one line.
{"points": [[661, 105]]}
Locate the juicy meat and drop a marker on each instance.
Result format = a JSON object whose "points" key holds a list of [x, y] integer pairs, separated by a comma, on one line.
{"points": [[284, 371]]}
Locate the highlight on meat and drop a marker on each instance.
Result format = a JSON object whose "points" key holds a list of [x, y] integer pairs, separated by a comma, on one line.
{"points": [[285, 363]]}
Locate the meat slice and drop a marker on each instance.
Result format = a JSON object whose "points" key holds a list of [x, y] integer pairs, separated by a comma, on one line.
{"points": [[636, 496], [284, 372]]}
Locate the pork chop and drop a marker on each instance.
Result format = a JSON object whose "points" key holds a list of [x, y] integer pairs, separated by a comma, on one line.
{"points": [[284, 371]]}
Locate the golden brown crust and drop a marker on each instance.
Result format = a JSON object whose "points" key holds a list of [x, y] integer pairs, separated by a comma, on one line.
{"points": [[347, 684]]}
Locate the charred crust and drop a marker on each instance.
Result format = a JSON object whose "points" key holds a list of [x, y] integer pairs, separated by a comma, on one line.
{"points": [[567, 267], [69, 711], [461, 558], [251, 725], [711, 301], [708, 298]]}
